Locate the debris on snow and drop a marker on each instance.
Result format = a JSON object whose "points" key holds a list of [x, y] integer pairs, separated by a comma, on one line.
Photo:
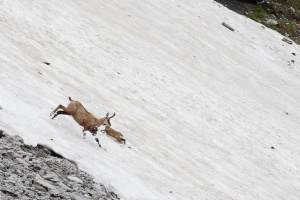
{"points": [[47, 63], [287, 41], [227, 26]]}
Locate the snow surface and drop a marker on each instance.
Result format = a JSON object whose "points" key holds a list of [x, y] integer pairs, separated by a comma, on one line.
{"points": [[200, 106]]}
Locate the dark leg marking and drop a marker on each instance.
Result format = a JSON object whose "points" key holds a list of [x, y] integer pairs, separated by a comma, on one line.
{"points": [[97, 140], [61, 112]]}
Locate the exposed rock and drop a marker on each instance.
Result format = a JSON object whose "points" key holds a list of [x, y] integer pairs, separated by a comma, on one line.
{"points": [[292, 10], [44, 183], [287, 41], [17, 139], [285, 13], [28, 172], [75, 179], [272, 22]]}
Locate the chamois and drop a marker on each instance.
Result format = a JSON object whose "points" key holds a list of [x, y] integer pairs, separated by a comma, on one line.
{"points": [[113, 133], [81, 116]]}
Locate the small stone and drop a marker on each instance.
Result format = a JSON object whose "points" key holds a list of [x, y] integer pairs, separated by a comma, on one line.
{"points": [[40, 194], [18, 172], [2, 166], [35, 161], [18, 139], [42, 172], [30, 193], [30, 176], [62, 186], [37, 168], [292, 9], [27, 182], [75, 179], [287, 41], [6, 174], [272, 22], [11, 182], [272, 148], [44, 183], [75, 197], [227, 26]]}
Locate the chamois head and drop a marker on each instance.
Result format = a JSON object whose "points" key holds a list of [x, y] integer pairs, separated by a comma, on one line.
{"points": [[107, 122]]}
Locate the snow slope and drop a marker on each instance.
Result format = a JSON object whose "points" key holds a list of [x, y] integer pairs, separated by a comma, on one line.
{"points": [[199, 105]]}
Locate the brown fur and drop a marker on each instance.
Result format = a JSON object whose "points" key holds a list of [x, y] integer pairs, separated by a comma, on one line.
{"points": [[81, 116], [115, 134]]}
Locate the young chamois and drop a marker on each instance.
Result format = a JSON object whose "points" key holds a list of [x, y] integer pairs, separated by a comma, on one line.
{"points": [[113, 133], [81, 116]]}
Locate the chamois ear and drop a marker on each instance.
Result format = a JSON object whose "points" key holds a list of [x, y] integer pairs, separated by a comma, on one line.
{"points": [[106, 120]]}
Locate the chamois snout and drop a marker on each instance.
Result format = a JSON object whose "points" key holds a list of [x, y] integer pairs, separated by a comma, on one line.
{"points": [[93, 130]]}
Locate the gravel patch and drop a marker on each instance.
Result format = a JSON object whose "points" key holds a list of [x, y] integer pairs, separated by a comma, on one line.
{"points": [[28, 173]]}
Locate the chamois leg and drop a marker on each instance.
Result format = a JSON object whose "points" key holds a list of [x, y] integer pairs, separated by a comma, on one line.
{"points": [[92, 129], [58, 107], [120, 140], [60, 112], [123, 140], [97, 140]]}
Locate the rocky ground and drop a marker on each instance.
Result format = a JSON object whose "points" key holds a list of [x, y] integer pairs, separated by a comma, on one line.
{"points": [[28, 172], [280, 15], [238, 6]]}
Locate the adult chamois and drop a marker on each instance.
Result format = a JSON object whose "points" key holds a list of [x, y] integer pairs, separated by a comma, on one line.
{"points": [[81, 116]]}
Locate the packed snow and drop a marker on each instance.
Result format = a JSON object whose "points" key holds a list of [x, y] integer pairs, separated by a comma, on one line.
{"points": [[207, 113]]}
